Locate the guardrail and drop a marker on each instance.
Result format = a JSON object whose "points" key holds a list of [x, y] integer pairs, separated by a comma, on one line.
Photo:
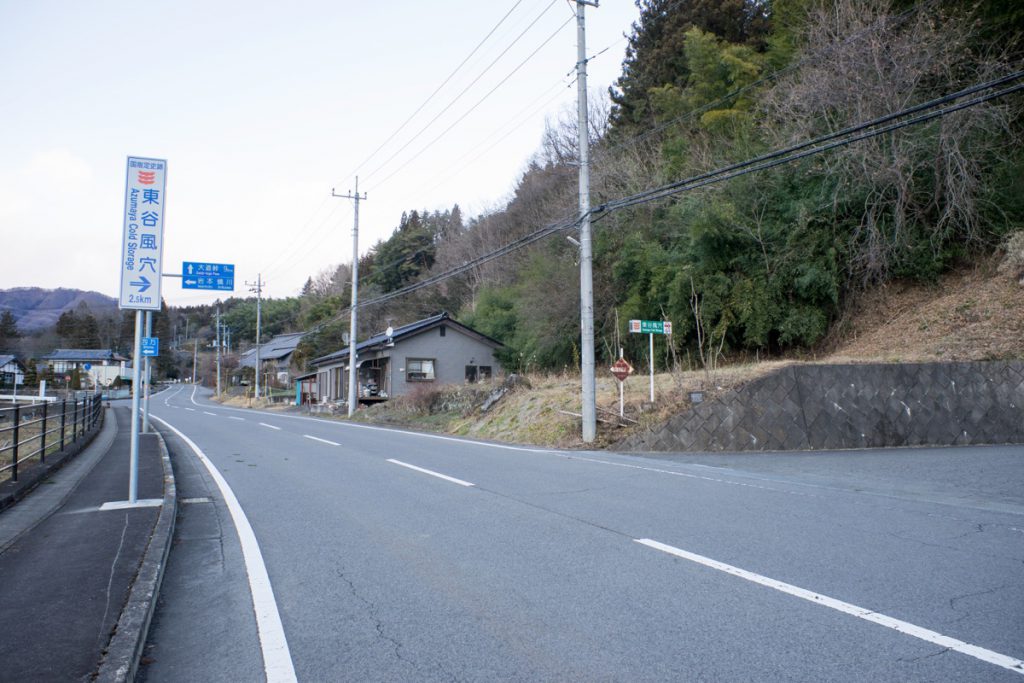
{"points": [[25, 430]]}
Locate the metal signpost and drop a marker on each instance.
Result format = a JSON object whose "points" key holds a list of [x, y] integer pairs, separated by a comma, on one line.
{"points": [[621, 369], [141, 270], [651, 327], [219, 277]]}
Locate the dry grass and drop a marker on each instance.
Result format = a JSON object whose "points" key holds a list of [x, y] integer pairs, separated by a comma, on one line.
{"points": [[29, 440], [972, 314]]}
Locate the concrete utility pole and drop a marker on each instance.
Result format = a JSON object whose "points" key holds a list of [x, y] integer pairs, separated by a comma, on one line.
{"points": [[586, 249], [258, 288], [352, 361], [217, 342]]}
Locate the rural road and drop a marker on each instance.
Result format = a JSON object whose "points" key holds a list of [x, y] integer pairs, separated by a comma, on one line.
{"points": [[317, 550]]}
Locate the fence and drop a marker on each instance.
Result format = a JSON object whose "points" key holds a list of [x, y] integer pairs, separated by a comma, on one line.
{"points": [[26, 431]]}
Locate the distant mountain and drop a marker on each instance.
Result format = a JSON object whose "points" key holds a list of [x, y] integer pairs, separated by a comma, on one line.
{"points": [[35, 308]]}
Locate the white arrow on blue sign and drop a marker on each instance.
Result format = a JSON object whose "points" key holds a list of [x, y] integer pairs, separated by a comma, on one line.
{"points": [[151, 346], [216, 276]]}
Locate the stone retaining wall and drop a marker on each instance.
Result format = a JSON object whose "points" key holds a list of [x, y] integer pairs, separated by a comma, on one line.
{"points": [[854, 406]]}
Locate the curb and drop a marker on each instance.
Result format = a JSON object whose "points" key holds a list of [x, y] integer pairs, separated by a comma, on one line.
{"points": [[120, 662]]}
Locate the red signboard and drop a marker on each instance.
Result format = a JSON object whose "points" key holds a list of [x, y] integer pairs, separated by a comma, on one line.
{"points": [[621, 369]]}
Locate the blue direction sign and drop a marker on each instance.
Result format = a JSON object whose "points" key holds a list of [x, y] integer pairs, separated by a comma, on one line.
{"points": [[151, 346], [216, 276]]}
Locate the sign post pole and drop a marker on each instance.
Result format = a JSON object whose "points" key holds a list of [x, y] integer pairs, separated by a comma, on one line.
{"points": [[651, 335], [145, 405], [622, 392], [133, 467], [651, 328]]}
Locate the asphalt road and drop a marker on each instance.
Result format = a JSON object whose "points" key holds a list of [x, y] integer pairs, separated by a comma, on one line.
{"points": [[399, 556]]}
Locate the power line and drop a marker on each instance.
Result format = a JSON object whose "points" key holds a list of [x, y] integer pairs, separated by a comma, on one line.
{"points": [[464, 91], [458, 166], [478, 103], [845, 136], [438, 89], [818, 145], [821, 54]]}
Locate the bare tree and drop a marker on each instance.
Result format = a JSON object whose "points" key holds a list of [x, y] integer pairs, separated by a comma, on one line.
{"points": [[926, 177]]}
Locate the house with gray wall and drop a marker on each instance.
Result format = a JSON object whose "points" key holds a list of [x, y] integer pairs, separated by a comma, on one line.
{"points": [[275, 357], [432, 351]]}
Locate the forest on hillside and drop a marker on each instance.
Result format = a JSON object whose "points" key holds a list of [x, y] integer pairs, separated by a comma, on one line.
{"points": [[759, 262], [764, 262]]}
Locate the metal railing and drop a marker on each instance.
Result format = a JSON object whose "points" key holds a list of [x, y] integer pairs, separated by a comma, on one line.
{"points": [[33, 431]]}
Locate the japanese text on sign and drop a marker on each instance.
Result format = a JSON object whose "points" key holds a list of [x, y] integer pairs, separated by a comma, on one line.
{"points": [[142, 239]]}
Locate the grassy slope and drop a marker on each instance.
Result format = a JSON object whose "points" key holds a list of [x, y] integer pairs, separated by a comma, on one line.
{"points": [[972, 314]]}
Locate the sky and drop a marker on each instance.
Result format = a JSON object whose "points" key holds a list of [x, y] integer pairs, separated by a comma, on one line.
{"points": [[260, 109]]}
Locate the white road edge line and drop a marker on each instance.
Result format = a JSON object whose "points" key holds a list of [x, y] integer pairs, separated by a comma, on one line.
{"points": [[277, 658], [431, 473], [264, 424], [317, 438], [1015, 665]]}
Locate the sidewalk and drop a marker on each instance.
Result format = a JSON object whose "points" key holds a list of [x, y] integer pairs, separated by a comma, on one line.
{"points": [[78, 582]]}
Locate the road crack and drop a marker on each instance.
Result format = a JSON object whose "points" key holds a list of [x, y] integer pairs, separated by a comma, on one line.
{"points": [[372, 613]]}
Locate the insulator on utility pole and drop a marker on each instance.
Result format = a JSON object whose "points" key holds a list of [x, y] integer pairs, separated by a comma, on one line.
{"points": [[352, 360]]}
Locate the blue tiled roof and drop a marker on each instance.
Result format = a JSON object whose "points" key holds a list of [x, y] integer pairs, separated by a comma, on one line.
{"points": [[398, 333], [87, 355], [275, 349]]}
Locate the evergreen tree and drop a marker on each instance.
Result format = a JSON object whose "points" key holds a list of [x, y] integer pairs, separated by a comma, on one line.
{"points": [[8, 330], [656, 55]]}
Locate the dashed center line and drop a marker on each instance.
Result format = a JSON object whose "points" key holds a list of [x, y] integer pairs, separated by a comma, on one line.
{"points": [[264, 424], [207, 412], [192, 409], [431, 473], [317, 438], [928, 635], [232, 417]]}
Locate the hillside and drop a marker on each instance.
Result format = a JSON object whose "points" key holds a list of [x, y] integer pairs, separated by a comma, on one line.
{"points": [[971, 314], [35, 308]]}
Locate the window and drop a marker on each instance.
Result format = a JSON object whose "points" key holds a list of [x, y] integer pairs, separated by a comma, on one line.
{"points": [[477, 373], [419, 369], [443, 330]]}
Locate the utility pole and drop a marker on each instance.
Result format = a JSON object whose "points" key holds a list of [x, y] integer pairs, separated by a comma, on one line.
{"points": [[217, 341], [352, 364], [586, 250], [195, 360], [258, 288]]}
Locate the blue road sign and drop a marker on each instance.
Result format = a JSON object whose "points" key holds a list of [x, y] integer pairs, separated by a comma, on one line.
{"points": [[151, 346], [216, 276]]}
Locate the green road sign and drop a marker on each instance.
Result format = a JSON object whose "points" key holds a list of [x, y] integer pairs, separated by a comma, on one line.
{"points": [[650, 326]]}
